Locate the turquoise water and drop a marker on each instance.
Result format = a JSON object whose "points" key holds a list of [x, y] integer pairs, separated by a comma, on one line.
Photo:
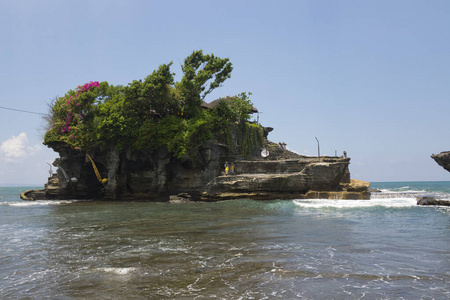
{"points": [[429, 186], [384, 248]]}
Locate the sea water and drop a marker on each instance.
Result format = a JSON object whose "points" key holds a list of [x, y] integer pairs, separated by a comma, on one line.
{"points": [[383, 248]]}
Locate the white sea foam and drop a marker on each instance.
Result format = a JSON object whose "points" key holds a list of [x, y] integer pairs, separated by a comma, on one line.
{"points": [[322, 203], [39, 202], [405, 189], [118, 271]]}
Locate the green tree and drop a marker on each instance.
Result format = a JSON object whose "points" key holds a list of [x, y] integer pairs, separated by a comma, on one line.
{"points": [[154, 95], [157, 91], [112, 124], [234, 109], [199, 69]]}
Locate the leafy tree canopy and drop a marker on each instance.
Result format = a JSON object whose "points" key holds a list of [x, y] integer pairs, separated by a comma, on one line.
{"points": [[155, 112], [199, 69]]}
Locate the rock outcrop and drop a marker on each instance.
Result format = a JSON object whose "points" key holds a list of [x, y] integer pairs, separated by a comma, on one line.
{"points": [[431, 200], [157, 175], [443, 159], [285, 179]]}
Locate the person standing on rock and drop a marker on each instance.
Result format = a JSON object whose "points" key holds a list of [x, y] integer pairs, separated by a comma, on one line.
{"points": [[227, 168], [232, 169]]}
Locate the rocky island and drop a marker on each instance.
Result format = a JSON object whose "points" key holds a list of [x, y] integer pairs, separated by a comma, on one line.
{"points": [[157, 139]]}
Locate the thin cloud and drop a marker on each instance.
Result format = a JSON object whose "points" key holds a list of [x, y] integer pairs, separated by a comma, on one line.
{"points": [[17, 148]]}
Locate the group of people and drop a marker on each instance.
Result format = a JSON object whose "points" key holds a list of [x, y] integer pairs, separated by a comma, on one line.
{"points": [[229, 168]]}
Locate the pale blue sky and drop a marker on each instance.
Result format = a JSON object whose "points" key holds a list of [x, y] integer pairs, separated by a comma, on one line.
{"points": [[368, 77]]}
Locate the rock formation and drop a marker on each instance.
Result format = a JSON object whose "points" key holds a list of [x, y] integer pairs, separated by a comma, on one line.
{"points": [[443, 159], [155, 139], [157, 175], [431, 200]]}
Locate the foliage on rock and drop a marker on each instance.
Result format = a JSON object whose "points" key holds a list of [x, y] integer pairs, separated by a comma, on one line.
{"points": [[156, 112], [198, 70]]}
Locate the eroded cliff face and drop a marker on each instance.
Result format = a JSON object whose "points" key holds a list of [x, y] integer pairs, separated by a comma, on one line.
{"points": [[135, 174], [156, 175], [443, 159]]}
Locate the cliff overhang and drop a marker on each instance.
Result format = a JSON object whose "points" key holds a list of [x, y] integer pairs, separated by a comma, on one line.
{"points": [[442, 159]]}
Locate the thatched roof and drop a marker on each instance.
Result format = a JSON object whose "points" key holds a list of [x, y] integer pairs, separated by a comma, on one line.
{"points": [[214, 103]]}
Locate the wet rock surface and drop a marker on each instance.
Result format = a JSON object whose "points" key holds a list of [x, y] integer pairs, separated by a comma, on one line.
{"points": [[431, 200]]}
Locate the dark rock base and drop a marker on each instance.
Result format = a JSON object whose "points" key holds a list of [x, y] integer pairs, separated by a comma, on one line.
{"points": [[430, 200]]}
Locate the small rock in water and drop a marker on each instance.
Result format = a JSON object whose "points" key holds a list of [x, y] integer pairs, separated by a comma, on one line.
{"points": [[180, 198], [431, 200]]}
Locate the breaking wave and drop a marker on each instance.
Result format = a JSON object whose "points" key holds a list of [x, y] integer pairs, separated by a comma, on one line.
{"points": [[321, 203]]}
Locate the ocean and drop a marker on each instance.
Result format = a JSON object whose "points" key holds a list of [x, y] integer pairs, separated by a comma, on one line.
{"points": [[383, 248]]}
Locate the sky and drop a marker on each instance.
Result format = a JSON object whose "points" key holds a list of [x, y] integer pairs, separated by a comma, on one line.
{"points": [[367, 77]]}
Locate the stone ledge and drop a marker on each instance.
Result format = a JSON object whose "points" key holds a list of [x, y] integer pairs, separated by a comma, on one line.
{"points": [[356, 185], [286, 196], [32, 195]]}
